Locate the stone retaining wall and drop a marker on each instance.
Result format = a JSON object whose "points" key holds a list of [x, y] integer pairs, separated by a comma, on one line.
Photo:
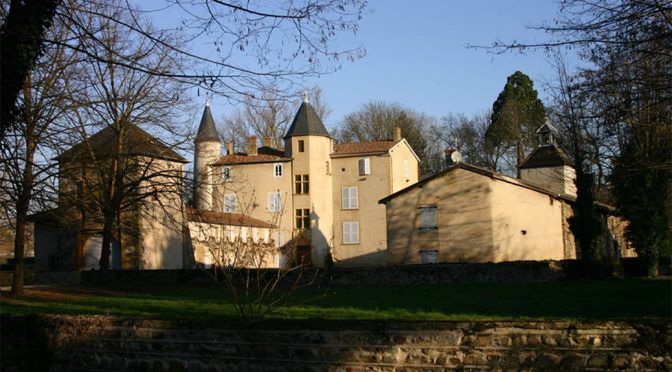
{"points": [[106, 344]]}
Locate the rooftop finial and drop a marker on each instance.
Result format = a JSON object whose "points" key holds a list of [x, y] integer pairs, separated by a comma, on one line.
{"points": [[305, 96], [207, 99]]}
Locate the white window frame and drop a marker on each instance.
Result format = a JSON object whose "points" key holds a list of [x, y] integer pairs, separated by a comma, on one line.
{"points": [[364, 167], [277, 170], [350, 232], [230, 199], [348, 200], [274, 201], [406, 168], [427, 213]]}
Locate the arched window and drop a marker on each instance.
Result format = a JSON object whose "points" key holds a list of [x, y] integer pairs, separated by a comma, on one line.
{"points": [[277, 170]]}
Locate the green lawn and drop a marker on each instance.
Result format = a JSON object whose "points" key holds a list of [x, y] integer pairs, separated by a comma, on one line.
{"points": [[576, 300]]}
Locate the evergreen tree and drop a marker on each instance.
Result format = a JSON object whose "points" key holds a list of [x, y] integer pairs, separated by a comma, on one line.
{"points": [[516, 115]]}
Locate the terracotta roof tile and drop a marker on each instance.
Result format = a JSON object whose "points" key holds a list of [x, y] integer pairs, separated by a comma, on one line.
{"points": [[245, 159], [222, 218], [363, 147]]}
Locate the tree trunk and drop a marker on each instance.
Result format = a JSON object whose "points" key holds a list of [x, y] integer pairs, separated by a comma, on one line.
{"points": [[107, 242], [19, 245], [25, 194]]}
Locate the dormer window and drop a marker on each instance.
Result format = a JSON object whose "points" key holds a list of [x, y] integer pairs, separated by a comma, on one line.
{"points": [[277, 170]]}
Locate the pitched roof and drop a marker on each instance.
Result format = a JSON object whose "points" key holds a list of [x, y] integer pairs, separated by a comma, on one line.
{"points": [[207, 131], [306, 122], [546, 156], [484, 172], [222, 218], [137, 143], [265, 154], [363, 147]]}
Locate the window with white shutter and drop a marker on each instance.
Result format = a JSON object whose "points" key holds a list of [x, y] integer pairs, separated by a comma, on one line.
{"points": [[364, 166], [350, 232], [230, 201], [274, 202], [349, 198]]}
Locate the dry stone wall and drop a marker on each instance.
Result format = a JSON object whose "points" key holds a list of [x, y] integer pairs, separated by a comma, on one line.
{"points": [[107, 344]]}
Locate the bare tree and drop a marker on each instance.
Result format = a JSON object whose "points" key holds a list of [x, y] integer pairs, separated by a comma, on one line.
{"points": [[254, 44], [122, 166], [377, 120], [29, 142], [268, 116], [467, 134], [258, 273]]}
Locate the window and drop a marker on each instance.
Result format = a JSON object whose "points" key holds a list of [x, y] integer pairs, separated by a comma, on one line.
{"points": [[226, 174], [405, 168], [349, 195], [351, 232], [230, 203], [427, 217], [301, 184], [277, 170], [301, 146], [364, 166], [302, 219], [274, 202], [429, 256]]}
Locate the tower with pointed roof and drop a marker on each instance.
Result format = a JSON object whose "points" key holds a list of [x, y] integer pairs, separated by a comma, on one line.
{"points": [[321, 197], [309, 145], [207, 150], [548, 165]]}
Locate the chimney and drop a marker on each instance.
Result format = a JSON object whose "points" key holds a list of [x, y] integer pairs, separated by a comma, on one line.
{"points": [[397, 134], [453, 156], [252, 146], [229, 148], [267, 141]]}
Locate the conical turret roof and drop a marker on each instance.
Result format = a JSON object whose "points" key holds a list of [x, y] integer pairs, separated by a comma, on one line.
{"points": [[306, 122], [207, 130]]}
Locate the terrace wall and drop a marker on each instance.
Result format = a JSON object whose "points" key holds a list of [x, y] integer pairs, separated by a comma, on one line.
{"points": [[445, 273], [66, 343]]}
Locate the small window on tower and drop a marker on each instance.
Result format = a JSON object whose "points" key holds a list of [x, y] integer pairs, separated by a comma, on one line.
{"points": [[277, 170], [301, 146]]}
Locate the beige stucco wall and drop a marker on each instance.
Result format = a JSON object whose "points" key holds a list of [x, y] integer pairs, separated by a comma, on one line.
{"points": [[371, 249], [526, 225], [463, 214], [252, 183], [480, 219], [387, 176], [206, 153], [556, 179], [160, 221], [313, 161], [400, 154]]}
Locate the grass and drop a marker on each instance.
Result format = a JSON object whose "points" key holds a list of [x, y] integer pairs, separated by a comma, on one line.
{"points": [[614, 299]]}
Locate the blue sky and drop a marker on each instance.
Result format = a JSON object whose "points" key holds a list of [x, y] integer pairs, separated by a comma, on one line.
{"points": [[417, 56]]}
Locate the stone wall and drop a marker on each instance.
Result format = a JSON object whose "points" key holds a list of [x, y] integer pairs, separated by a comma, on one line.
{"points": [[431, 274], [43, 278], [105, 344]]}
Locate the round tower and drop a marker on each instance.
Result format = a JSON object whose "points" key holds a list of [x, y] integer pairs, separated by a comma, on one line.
{"points": [[207, 150]]}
